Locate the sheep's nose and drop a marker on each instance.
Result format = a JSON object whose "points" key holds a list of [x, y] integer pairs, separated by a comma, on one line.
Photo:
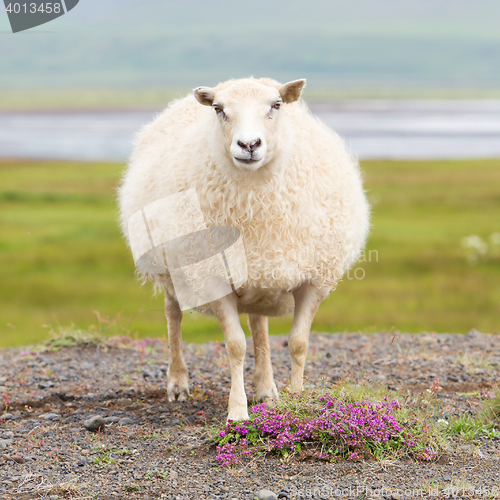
{"points": [[250, 146]]}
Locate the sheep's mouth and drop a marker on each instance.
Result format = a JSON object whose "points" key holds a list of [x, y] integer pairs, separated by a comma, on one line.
{"points": [[248, 161]]}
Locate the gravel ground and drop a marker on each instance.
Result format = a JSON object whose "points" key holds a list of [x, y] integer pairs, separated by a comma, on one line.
{"points": [[154, 449]]}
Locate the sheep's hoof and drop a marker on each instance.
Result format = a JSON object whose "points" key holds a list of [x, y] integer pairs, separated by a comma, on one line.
{"points": [[238, 414], [270, 402], [268, 396], [177, 393]]}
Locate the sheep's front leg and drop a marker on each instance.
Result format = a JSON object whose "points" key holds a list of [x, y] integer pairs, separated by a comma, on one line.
{"points": [[265, 388], [178, 385], [226, 311], [307, 300]]}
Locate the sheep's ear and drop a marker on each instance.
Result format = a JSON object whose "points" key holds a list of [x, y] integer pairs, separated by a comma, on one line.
{"points": [[204, 95], [290, 92]]}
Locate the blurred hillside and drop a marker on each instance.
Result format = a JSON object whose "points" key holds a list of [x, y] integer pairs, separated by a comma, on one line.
{"points": [[342, 43]]}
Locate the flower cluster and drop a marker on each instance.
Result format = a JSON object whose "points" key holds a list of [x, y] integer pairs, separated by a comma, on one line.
{"points": [[329, 429], [227, 454], [478, 249], [427, 454]]}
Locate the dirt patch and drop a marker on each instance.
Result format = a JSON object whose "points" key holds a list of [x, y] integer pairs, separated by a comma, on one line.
{"points": [[161, 449]]}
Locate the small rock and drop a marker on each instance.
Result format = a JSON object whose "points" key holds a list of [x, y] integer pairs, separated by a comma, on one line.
{"points": [[95, 424], [173, 474], [7, 435], [7, 416], [46, 385], [17, 458], [5, 442], [51, 416], [446, 477], [83, 461], [125, 421], [266, 495], [112, 420], [395, 496], [283, 494]]}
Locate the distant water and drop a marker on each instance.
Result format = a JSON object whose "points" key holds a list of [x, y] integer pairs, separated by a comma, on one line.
{"points": [[371, 129]]}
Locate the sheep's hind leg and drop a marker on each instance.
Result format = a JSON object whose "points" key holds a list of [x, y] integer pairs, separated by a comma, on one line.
{"points": [[226, 311], [178, 385], [307, 300], [265, 388]]}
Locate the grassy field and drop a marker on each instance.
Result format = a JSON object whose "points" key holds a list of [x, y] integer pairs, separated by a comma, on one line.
{"points": [[62, 257]]}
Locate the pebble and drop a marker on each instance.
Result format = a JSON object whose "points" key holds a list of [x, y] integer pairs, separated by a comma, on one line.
{"points": [[125, 421], [95, 424], [266, 495], [83, 461], [46, 385], [51, 416], [7, 416], [7, 435], [446, 477], [16, 458], [5, 442], [112, 420]]}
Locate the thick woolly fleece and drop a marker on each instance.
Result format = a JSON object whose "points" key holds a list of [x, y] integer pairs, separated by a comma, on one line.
{"points": [[304, 215]]}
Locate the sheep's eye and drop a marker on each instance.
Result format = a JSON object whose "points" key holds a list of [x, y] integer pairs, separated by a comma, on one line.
{"points": [[276, 105], [219, 110]]}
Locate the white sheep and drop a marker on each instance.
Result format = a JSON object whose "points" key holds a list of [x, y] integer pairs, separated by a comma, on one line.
{"points": [[260, 162]]}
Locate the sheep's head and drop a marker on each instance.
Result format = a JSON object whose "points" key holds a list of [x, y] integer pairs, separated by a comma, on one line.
{"points": [[248, 116]]}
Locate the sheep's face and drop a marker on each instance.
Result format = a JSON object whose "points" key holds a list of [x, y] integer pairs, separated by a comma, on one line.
{"points": [[248, 118]]}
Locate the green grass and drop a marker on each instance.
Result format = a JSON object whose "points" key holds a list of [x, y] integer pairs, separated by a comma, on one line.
{"points": [[471, 429], [62, 256], [84, 99]]}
